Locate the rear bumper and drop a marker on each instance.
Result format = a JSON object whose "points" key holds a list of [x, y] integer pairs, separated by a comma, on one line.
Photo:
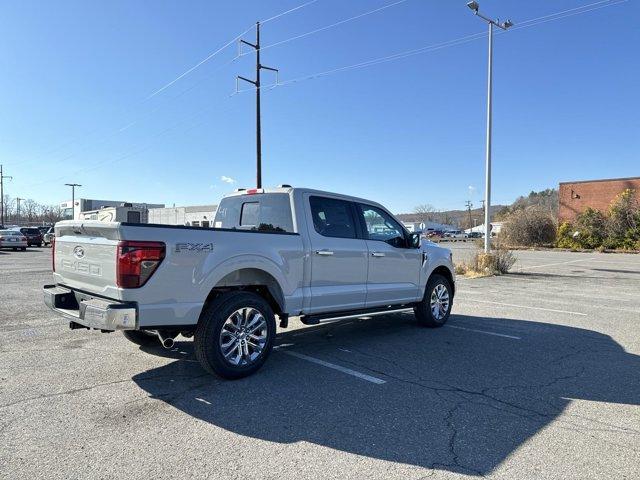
{"points": [[91, 312]]}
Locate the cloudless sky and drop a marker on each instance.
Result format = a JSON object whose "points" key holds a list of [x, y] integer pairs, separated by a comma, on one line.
{"points": [[75, 77]]}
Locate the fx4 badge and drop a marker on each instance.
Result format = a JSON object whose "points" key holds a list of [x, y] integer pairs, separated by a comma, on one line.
{"points": [[194, 247]]}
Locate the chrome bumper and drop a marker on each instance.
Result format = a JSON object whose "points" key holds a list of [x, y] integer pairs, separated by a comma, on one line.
{"points": [[91, 312]]}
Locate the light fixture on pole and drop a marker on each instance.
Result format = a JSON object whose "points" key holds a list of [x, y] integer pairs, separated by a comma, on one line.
{"points": [[73, 198], [475, 7]]}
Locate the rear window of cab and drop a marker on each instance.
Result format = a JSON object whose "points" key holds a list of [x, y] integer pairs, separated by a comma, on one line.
{"points": [[269, 212]]}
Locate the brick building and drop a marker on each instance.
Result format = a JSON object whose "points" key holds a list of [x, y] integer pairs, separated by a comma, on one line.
{"points": [[575, 197]]}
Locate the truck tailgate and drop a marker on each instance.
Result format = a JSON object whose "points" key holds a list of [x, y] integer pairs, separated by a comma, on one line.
{"points": [[85, 255]]}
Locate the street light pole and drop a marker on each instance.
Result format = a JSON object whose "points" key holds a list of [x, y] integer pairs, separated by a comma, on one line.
{"points": [[73, 198], [487, 187], [18, 200]]}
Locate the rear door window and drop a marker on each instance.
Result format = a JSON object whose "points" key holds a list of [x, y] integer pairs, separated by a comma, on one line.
{"points": [[333, 217]]}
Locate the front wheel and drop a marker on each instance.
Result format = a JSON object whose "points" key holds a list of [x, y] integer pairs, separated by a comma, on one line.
{"points": [[235, 335], [434, 309]]}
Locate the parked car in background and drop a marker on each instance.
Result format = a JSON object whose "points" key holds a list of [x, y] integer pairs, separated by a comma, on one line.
{"points": [[44, 228], [12, 239], [34, 237], [456, 235], [48, 237], [475, 235]]}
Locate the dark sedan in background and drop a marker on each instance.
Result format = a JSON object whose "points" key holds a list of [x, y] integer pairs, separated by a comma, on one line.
{"points": [[34, 237]]}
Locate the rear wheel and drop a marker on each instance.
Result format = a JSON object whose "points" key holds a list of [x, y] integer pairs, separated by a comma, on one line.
{"points": [[24, 249], [435, 308], [141, 337], [235, 335]]}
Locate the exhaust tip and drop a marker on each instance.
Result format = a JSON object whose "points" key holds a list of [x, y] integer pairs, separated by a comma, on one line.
{"points": [[166, 342]]}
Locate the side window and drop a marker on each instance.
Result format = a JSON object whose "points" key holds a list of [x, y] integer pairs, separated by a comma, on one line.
{"points": [[332, 217], [381, 226]]}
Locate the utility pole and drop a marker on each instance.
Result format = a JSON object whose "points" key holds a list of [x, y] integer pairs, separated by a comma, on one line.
{"points": [[2, 209], [469, 207], [474, 6], [73, 198], [256, 83]]}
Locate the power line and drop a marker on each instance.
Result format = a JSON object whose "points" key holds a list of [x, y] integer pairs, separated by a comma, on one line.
{"points": [[327, 27], [226, 45], [288, 11], [451, 43], [161, 89]]}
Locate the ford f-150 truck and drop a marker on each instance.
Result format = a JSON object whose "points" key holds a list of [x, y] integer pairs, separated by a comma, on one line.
{"points": [[272, 252]]}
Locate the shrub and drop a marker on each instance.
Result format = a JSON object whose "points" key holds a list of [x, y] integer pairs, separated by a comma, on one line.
{"points": [[623, 223], [500, 260], [531, 226], [565, 236], [591, 227]]}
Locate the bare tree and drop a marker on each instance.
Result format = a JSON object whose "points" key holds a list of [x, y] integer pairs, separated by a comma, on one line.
{"points": [[424, 212], [31, 212]]}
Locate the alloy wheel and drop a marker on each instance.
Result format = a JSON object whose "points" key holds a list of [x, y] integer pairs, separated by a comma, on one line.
{"points": [[243, 336], [439, 301]]}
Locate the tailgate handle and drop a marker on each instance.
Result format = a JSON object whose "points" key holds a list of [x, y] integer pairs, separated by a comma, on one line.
{"points": [[377, 254], [324, 252]]}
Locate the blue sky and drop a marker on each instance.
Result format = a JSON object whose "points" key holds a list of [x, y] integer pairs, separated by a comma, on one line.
{"points": [[76, 76]]}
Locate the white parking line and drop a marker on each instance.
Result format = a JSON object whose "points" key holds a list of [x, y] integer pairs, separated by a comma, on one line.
{"points": [[484, 331], [554, 264], [527, 307], [348, 371]]}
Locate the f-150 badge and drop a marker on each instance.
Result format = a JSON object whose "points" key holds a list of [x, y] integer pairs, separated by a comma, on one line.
{"points": [[194, 247]]}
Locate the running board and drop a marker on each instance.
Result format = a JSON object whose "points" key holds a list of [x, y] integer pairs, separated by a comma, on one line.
{"points": [[326, 318]]}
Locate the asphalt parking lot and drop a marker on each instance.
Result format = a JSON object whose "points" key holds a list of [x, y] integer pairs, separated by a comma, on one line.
{"points": [[536, 375]]}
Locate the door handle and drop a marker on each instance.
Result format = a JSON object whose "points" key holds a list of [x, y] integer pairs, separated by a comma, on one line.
{"points": [[324, 252], [377, 254]]}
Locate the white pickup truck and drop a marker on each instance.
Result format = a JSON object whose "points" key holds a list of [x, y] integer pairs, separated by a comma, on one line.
{"points": [[278, 252]]}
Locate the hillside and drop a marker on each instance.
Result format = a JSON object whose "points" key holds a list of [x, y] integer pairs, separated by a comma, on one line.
{"points": [[457, 218]]}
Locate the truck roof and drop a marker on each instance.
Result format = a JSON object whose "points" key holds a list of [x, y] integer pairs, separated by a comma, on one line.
{"points": [[290, 190]]}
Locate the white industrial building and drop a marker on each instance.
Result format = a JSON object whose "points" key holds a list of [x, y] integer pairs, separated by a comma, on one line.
{"points": [[194, 216], [72, 212]]}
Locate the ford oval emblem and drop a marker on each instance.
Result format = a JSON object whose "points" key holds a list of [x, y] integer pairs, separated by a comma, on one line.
{"points": [[78, 252]]}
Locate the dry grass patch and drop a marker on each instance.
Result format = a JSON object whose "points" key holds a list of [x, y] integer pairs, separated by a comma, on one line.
{"points": [[498, 261]]}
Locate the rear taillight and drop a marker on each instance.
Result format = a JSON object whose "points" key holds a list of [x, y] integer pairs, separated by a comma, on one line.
{"points": [[136, 262], [53, 254]]}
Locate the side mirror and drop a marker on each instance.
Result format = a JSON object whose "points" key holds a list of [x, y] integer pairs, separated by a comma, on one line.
{"points": [[414, 240]]}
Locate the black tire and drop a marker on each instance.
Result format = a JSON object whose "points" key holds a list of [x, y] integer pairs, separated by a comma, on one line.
{"points": [[24, 249], [208, 333], [15, 249], [423, 310], [141, 337]]}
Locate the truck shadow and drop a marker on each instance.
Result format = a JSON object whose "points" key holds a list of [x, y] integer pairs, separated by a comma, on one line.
{"points": [[453, 399]]}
